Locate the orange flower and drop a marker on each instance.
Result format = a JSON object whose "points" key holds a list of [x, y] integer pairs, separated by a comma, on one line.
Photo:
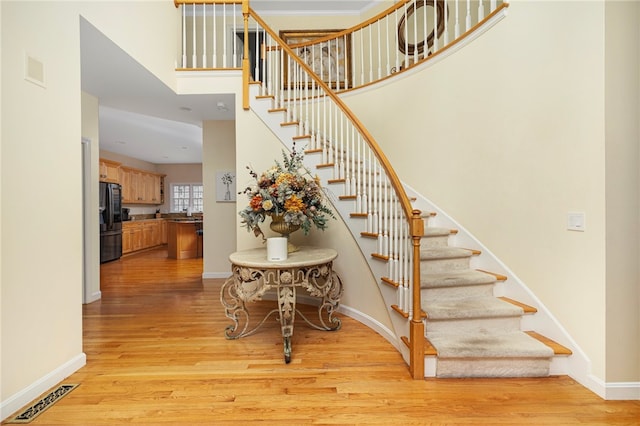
{"points": [[256, 202], [294, 204]]}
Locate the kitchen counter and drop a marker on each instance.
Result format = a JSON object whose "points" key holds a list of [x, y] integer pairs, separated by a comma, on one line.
{"points": [[183, 239]]}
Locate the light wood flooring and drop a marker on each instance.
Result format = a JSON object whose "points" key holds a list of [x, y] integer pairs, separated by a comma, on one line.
{"points": [[156, 354]]}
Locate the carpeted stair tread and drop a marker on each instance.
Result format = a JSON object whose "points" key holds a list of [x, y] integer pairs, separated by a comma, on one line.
{"points": [[485, 344], [481, 307], [444, 253], [455, 279]]}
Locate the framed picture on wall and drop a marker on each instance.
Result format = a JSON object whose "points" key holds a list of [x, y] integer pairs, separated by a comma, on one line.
{"points": [[226, 186], [331, 60]]}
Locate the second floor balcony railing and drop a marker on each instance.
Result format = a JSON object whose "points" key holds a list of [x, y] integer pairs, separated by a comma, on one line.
{"points": [[409, 32]]}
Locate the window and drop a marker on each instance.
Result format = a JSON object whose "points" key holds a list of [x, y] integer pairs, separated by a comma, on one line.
{"points": [[186, 195]]}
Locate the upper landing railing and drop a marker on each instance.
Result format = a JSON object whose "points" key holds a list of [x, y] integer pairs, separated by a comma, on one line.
{"points": [[301, 72], [409, 32]]}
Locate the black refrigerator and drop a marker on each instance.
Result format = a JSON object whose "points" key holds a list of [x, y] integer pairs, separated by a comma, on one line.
{"points": [[110, 221]]}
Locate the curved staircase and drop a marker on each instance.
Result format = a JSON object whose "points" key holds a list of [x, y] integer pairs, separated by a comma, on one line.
{"points": [[469, 331]]}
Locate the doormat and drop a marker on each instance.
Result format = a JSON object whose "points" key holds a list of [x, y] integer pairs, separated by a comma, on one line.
{"points": [[41, 405]]}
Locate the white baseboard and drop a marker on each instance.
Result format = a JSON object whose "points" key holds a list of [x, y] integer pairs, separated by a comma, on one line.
{"points": [[20, 399], [373, 324], [614, 391], [93, 297], [206, 275]]}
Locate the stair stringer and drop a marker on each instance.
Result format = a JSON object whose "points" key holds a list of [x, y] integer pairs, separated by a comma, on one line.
{"points": [[577, 365], [262, 107]]}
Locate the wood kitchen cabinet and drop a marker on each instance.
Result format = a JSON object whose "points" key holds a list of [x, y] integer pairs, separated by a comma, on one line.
{"points": [[142, 234], [163, 231], [182, 240], [109, 171], [141, 187], [131, 237], [151, 233]]}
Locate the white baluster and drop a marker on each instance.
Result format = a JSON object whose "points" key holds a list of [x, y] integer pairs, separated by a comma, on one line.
{"points": [[369, 192], [415, 31], [214, 58], [480, 10], [446, 25], [362, 56], [184, 36], [224, 36], [352, 187], [468, 20], [385, 239], [406, 38], [435, 29], [457, 20], [386, 21], [256, 71], [234, 59], [425, 21], [347, 65], [376, 205], [204, 35], [194, 54]]}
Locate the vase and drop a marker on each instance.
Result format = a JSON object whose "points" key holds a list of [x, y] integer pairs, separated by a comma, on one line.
{"points": [[284, 228]]}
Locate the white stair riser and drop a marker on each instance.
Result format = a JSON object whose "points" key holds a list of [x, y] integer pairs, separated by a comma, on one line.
{"points": [[436, 241], [492, 367], [437, 266], [472, 325]]}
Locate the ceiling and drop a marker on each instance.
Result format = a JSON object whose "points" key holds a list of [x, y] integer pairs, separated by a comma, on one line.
{"points": [[142, 118]]}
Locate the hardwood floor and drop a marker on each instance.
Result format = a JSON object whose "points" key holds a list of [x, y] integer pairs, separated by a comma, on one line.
{"points": [[156, 354]]}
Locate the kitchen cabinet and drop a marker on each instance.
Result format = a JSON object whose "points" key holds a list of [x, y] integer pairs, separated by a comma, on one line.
{"points": [[109, 171], [131, 237], [141, 187], [163, 231], [142, 234], [151, 233], [182, 240]]}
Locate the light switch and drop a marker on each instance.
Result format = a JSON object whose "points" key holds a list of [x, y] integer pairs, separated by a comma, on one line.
{"points": [[575, 221]]}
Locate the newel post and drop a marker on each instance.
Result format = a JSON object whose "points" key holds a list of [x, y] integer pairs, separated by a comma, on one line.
{"points": [[416, 327], [245, 56]]}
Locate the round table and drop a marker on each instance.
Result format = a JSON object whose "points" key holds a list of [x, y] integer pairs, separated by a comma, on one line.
{"points": [[310, 268]]}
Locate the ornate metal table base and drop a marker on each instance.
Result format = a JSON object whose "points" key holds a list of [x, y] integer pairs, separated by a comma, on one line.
{"points": [[253, 276]]}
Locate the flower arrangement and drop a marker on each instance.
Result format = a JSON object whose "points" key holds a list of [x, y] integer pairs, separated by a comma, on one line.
{"points": [[285, 190]]}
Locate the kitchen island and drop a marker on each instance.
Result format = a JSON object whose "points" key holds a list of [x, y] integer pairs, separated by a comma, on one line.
{"points": [[184, 239]]}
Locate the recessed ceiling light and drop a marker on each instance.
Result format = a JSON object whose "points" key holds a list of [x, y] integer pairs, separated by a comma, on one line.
{"points": [[184, 108]]}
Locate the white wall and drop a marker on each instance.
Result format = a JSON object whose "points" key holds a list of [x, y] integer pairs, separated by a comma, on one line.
{"points": [[622, 133], [41, 271], [525, 146], [41, 169]]}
